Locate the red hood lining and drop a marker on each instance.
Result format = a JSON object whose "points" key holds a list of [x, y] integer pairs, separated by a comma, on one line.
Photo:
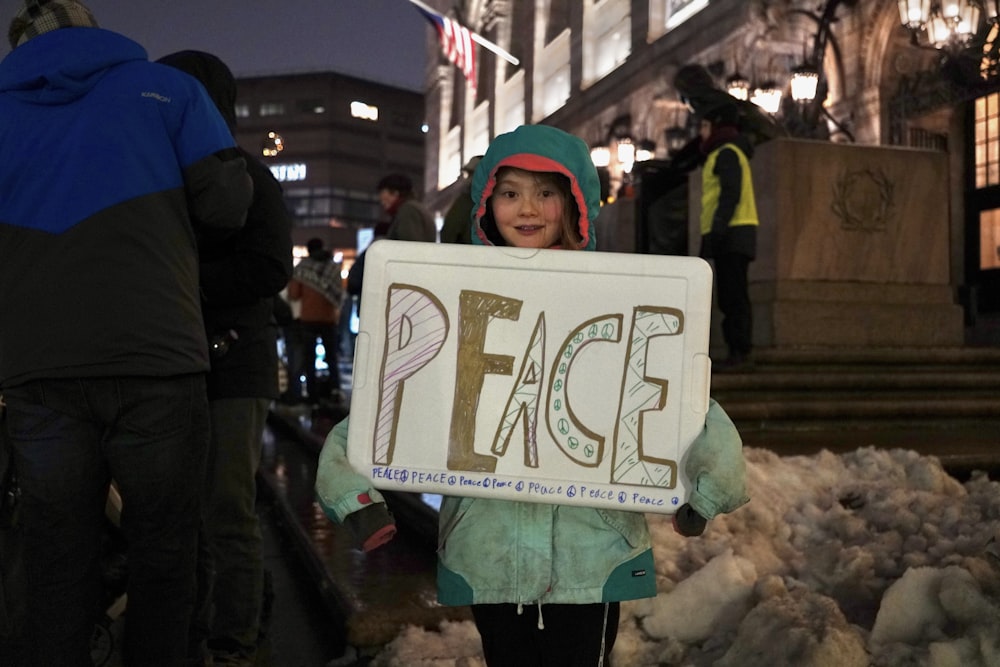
{"points": [[534, 162]]}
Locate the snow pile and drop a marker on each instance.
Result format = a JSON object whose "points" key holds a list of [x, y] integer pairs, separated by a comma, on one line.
{"points": [[875, 557]]}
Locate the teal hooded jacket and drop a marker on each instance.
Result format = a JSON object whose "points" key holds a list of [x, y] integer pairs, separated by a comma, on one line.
{"points": [[501, 551], [496, 551]]}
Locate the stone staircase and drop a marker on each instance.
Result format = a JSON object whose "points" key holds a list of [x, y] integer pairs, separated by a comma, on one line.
{"points": [[938, 401]]}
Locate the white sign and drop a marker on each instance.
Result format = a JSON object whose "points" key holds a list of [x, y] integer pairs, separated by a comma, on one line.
{"points": [[537, 375]]}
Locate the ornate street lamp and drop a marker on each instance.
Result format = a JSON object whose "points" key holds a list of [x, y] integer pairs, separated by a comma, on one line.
{"points": [[645, 150], [948, 25], [805, 81], [914, 14], [600, 155], [992, 9], [738, 86], [626, 153], [767, 96]]}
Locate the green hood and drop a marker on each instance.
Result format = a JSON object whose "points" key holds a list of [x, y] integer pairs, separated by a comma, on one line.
{"points": [[537, 148]]}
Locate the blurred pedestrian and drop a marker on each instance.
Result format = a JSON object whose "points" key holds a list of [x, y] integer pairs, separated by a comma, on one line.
{"points": [[457, 226], [240, 278], [355, 277], [318, 288], [410, 219], [114, 168], [729, 226]]}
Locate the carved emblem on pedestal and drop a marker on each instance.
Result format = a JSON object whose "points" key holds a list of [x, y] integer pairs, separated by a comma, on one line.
{"points": [[863, 200]]}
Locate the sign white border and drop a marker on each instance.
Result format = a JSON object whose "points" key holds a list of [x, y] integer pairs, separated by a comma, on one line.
{"points": [[554, 376]]}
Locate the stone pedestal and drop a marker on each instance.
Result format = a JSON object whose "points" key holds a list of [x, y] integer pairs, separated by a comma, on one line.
{"points": [[852, 248]]}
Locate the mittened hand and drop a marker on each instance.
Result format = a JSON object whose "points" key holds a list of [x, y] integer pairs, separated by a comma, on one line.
{"points": [[371, 527], [688, 522], [715, 464]]}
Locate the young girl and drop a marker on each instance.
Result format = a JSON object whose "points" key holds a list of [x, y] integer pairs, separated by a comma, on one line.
{"points": [[544, 581]]}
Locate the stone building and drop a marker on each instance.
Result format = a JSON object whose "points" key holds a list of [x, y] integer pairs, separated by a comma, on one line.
{"points": [[890, 221]]}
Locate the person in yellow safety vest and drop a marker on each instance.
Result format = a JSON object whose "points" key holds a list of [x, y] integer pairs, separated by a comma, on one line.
{"points": [[729, 226]]}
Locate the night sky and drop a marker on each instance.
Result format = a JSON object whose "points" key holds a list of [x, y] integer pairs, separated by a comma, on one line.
{"points": [[377, 40]]}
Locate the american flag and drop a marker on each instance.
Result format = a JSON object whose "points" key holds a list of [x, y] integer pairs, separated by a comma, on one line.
{"points": [[456, 42]]}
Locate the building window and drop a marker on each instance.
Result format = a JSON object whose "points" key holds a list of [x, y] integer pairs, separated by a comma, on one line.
{"points": [[510, 104], [242, 110], [319, 206], [989, 240], [316, 106], [987, 143], [272, 109], [477, 134], [364, 111], [607, 29], [679, 11], [285, 173], [405, 119], [665, 15], [552, 83], [450, 159]]}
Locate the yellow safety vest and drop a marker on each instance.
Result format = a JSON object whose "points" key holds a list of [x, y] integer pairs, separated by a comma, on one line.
{"points": [[746, 209]]}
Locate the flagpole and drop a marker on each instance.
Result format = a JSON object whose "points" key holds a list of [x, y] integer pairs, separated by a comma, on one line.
{"points": [[482, 41], [490, 46]]}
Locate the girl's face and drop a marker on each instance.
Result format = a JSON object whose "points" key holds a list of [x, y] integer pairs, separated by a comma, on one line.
{"points": [[529, 209]]}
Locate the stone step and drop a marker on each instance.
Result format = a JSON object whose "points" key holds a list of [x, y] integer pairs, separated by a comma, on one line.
{"points": [[833, 406], [939, 401], [882, 356], [827, 378]]}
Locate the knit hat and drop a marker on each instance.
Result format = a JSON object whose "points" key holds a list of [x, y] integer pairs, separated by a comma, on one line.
{"points": [[399, 182], [726, 114], [41, 16]]}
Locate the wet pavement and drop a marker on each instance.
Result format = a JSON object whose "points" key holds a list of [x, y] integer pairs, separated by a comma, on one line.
{"points": [[369, 597]]}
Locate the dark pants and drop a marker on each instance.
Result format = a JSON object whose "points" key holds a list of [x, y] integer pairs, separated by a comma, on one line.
{"points": [[230, 568], [327, 334], [70, 438], [733, 293], [571, 637]]}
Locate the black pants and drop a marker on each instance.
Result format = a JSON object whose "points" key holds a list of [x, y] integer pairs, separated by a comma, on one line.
{"points": [[571, 636], [70, 438], [733, 294], [328, 335]]}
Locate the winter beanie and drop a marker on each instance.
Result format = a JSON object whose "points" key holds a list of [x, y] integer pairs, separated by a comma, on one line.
{"points": [[41, 16]]}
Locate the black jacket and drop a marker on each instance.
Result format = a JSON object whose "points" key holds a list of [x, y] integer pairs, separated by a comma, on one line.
{"points": [[241, 275]]}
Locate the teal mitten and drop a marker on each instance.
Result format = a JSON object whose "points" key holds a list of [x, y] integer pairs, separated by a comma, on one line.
{"points": [[716, 467]]}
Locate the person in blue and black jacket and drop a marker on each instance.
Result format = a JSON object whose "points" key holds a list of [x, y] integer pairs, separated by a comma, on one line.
{"points": [[114, 169]]}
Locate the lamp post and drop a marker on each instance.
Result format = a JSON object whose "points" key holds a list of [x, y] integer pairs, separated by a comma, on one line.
{"points": [[809, 85]]}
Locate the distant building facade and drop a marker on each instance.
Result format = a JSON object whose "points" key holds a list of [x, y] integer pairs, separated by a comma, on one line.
{"points": [[329, 138]]}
